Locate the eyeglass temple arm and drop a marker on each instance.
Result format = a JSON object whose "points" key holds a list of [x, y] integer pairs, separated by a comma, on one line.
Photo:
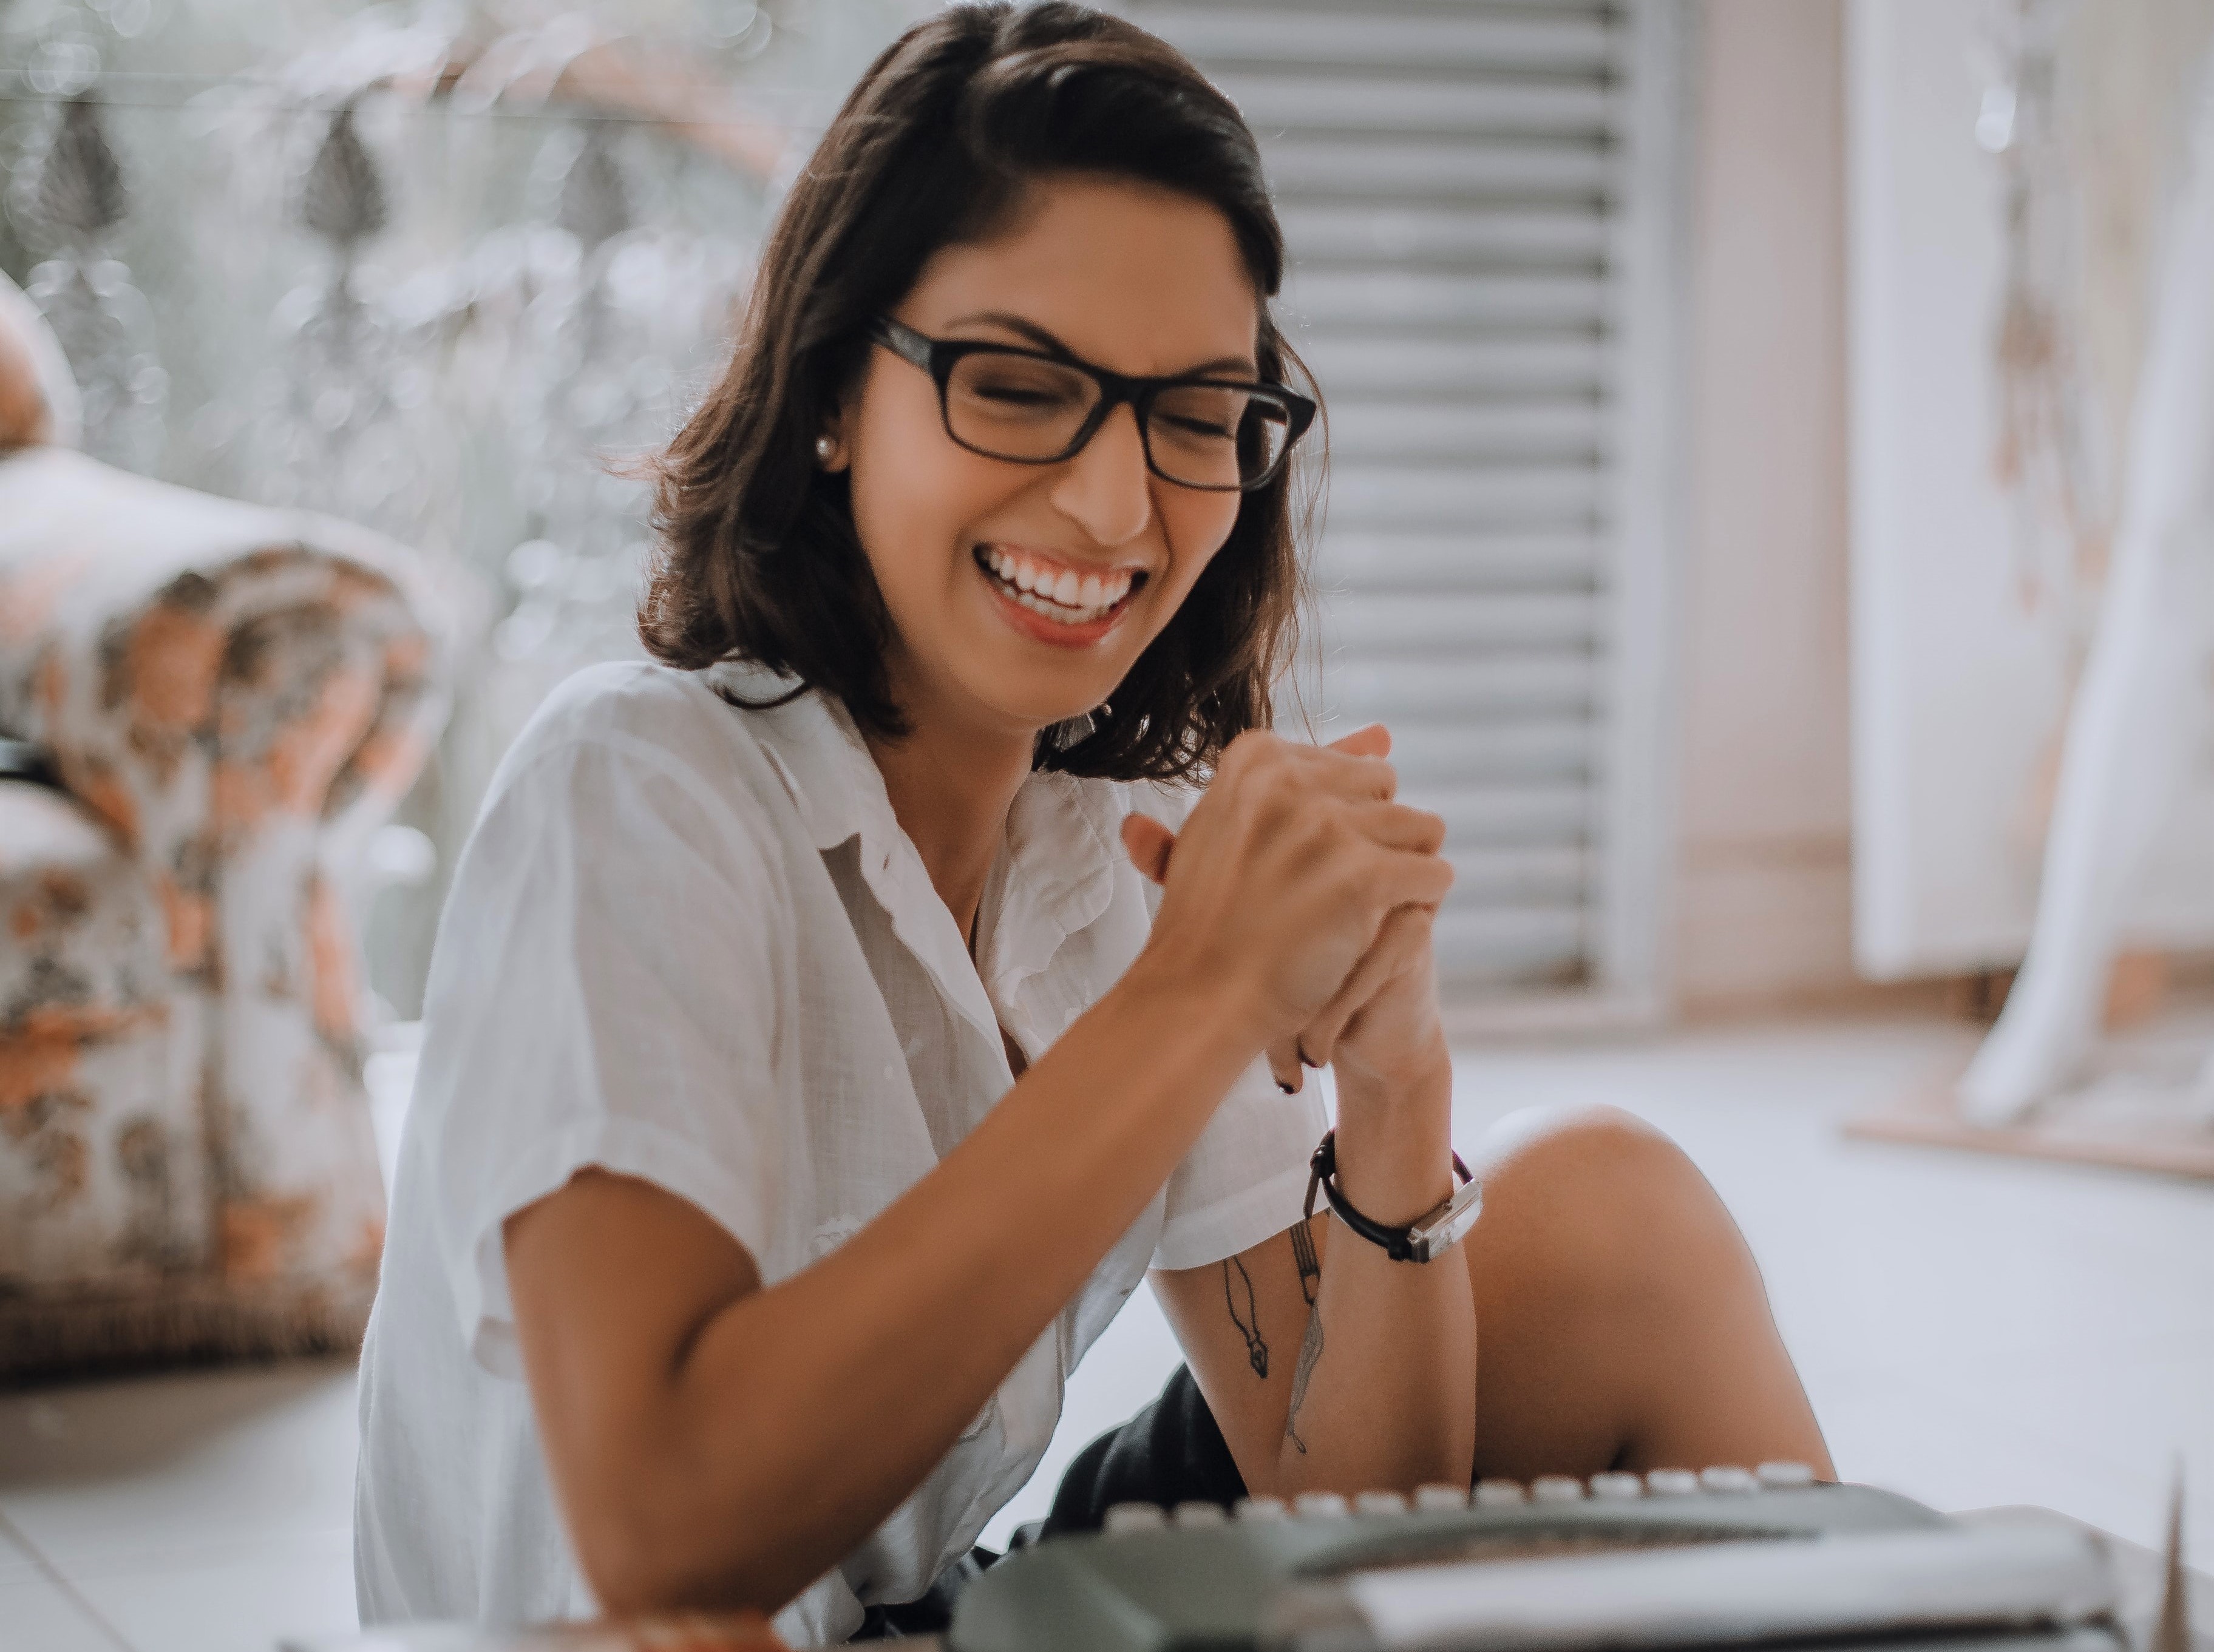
{"points": [[903, 341]]}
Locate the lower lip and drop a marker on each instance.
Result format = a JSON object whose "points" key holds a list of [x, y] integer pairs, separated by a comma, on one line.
{"points": [[1044, 629]]}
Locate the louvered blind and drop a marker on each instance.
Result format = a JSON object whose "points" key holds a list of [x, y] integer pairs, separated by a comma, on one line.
{"points": [[1479, 204]]}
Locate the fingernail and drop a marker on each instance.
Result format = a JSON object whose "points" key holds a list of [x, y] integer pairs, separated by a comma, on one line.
{"points": [[1306, 1060], [1285, 1088]]}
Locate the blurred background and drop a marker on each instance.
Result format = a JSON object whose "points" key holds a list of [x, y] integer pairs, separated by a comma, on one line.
{"points": [[1767, 500]]}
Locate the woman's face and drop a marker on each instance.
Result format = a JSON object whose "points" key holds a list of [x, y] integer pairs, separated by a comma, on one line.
{"points": [[1139, 280]]}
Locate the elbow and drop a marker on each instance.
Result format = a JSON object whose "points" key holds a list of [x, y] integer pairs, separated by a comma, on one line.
{"points": [[650, 1545], [631, 1571], [628, 1566]]}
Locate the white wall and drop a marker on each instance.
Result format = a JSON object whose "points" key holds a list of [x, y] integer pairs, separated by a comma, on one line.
{"points": [[1964, 666], [1763, 897]]}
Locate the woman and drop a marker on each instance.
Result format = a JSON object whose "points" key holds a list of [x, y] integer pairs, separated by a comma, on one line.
{"points": [[830, 1024]]}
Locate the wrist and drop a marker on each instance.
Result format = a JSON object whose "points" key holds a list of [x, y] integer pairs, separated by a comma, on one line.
{"points": [[1224, 1005], [1419, 1084], [1395, 1140], [1162, 1014]]}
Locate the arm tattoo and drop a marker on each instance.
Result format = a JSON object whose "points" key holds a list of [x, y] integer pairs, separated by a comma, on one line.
{"points": [[1303, 1252], [1309, 1351], [1256, 1351]]}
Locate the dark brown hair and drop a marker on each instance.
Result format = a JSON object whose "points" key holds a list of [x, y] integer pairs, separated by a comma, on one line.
{"points": [[758, 559]]}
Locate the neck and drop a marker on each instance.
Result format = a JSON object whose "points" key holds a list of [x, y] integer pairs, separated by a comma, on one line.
{"points": [[950, 787]]}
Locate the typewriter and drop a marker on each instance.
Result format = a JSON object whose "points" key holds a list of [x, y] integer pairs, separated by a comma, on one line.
{"points": [[1728, 1557]]}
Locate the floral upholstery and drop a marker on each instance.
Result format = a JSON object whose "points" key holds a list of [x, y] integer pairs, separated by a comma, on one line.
{"points": [[39, 401], [232, 699]]}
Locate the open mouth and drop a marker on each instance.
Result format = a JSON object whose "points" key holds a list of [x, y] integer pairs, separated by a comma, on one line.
{"points": [[1057, 594]]}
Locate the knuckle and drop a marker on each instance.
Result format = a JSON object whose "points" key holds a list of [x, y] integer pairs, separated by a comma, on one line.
{"points": [[1243, 752]]}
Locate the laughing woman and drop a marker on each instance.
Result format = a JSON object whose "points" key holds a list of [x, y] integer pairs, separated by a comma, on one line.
{"points": [[832, 1022]]}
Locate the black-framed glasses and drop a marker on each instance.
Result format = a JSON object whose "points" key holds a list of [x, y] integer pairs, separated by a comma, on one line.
{"points": [[1039, 407]]}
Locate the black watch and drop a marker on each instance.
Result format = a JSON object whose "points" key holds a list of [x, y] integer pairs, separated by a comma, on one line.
{"points": [[1426, 1238]]}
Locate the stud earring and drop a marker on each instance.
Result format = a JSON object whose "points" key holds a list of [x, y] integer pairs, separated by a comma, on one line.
{"points": [[825, 447]]}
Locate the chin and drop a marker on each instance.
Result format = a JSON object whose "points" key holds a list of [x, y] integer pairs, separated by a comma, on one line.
{"points": [[1038, 707], [1039, 720]]}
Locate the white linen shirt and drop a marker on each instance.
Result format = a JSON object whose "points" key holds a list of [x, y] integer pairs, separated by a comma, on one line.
{"points": [[690, 943]]}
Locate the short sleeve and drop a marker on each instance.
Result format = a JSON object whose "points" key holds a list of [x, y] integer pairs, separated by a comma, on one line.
{"points": [[1245, 1178], [605, 991]]}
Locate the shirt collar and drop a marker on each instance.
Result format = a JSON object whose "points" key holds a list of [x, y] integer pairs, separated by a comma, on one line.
{"points": [[815, 749], [1062, 849], [1056, 869]]}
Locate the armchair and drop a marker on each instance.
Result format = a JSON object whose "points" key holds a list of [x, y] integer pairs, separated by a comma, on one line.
{"points": [[229, 699]]}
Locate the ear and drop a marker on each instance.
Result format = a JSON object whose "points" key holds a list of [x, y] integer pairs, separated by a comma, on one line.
{"points": [[1149, 842]]}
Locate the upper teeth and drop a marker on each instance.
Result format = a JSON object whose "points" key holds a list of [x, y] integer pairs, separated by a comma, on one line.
{"points": [[1086, 594]]}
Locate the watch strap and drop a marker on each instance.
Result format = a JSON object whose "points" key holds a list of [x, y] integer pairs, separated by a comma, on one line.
{"points": [[1430, 1235]]}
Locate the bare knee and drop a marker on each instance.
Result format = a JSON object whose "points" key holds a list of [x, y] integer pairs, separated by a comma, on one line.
{"points": [[1621, 1318], [1606, 1207], [1586, 1149]]}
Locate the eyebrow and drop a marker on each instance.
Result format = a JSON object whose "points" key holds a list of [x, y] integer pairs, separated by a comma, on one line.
{"points": [[1046, 341]]}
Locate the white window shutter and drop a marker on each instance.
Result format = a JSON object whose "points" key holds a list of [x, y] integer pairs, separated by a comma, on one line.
{"points": [[1482, 207]]}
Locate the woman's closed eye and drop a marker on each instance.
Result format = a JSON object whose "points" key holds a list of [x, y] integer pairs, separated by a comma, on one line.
{"points": [[1022, 389], [1023, 395], [1184, 424], [1200, 417]]}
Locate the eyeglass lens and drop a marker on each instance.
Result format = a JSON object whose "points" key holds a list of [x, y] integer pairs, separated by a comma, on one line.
{"points": [[1019, 407]]}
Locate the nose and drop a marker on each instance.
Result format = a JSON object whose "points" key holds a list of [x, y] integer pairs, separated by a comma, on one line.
{"points": [[1106, 489]]}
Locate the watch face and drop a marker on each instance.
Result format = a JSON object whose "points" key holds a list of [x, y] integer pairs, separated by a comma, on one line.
{"points": [[1449, 1225]]}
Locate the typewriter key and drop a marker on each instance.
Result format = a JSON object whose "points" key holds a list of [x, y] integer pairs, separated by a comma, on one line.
{"points": [[1127, 1517]]}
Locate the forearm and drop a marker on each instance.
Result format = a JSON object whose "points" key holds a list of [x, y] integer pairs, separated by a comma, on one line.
{"points": [[1383, 1391], [803, 1414]]}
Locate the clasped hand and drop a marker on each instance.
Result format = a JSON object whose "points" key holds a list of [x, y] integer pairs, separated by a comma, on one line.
{"points": [[1300, 877]]}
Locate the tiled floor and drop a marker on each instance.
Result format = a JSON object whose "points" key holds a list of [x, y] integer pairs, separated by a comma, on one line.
{"points": [[1973, 1332], [203, 1513]]}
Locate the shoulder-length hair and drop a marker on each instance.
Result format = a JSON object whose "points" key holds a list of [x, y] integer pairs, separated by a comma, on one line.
{"points": [[757, 557]]}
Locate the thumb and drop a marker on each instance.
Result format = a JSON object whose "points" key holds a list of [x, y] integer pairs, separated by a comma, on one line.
{"points": [[1149, 842], [1370, 739]]}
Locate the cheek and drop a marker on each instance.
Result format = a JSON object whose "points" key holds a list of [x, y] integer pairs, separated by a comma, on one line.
{"points": [[912, 492], [1195, 525]]}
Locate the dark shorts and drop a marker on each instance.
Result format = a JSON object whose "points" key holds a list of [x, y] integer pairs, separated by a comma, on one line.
{"points": [[1171, 1452]]}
